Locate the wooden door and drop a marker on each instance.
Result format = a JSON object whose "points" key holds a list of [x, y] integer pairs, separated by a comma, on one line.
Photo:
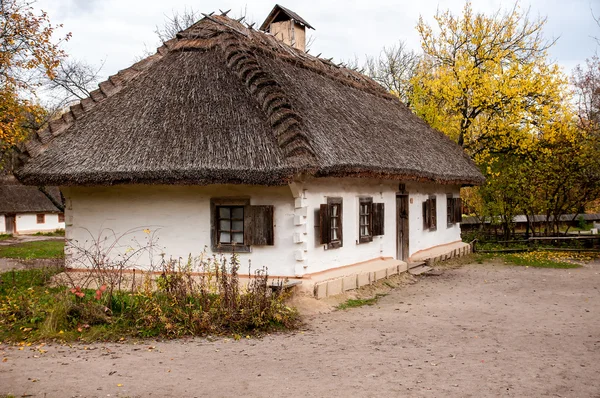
{"points": [[9, 222], [402, 227]]}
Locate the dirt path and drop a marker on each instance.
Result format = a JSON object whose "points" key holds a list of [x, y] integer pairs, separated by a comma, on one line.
{"points": [[475, 331]]}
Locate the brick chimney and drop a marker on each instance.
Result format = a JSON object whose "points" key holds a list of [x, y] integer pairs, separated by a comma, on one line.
{"points": [[287, 26]]}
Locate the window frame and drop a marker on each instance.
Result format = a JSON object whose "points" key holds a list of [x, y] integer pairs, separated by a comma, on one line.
{"points": [[231, 219], [43, 218], [368, 202], [331, 203], [430, 213], [61, 217], [215, 204], [454, 209]]}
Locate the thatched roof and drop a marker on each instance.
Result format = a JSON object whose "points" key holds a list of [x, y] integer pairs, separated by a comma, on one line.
{"points": [[223, 103], [26, 199]]}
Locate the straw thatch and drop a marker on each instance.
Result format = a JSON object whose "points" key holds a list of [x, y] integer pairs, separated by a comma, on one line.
{"points": [[27, 199], [222, 103]]}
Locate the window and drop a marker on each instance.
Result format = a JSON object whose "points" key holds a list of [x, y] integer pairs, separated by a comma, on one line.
{"points": [[371, 220], [430, 214], [230, 228], [454, 210], [41, 218], [329, 221], [236, 225], [365, 220], [331, 224], [61, 217]]}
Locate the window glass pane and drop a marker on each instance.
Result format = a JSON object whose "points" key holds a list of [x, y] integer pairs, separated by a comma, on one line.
{"points": [[224, 225], [238, 237], [334, 211], [237, 226], [334, 235], [237, 212], [224, 212], [334, 223], [225, 237]]}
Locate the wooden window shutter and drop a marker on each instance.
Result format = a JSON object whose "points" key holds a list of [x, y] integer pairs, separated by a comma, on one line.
{"points": [[324, 224], [426, 218], [457, 210], [378, 219], [432, 213], [258, 225]]}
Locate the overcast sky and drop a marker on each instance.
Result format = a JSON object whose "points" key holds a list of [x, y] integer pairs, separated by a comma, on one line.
{"points": [[118, 31]]}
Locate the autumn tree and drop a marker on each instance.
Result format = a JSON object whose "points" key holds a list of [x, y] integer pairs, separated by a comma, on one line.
{"points": [[26, 49], [586, 82], [485, 80], [73, 81]]}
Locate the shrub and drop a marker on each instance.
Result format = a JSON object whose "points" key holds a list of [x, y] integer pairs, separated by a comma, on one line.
{"points": [[201, 295]]}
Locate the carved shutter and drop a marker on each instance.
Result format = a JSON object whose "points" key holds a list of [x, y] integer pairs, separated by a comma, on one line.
{"points": [[324, 224], [258, 226], [378, 212]]}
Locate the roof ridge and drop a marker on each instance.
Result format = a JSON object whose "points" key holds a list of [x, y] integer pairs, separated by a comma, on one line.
{"points": [[287, 124]]}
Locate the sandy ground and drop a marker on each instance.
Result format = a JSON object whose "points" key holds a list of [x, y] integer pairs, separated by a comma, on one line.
{"points": [[473, 331]]}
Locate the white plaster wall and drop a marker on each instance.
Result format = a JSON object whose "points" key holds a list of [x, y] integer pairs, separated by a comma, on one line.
{"points": [[319, 258], [27, 223], [420, 239], [2, 224], [180, 217]]}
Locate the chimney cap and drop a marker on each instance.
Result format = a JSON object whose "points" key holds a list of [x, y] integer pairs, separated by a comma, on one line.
{"points": [[282, 10]]}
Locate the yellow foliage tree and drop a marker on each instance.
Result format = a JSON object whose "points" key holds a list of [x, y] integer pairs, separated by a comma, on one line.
{"points": [[485, 81], [26, 49]]}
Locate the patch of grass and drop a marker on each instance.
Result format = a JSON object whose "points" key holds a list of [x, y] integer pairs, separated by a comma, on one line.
{"points": [[34, 250], [360, 302], [56, 232], [4, 237], [539, 259]]}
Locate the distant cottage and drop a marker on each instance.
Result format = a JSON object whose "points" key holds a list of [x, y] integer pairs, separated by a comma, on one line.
{"points": [[26, 210], [238, 139]]}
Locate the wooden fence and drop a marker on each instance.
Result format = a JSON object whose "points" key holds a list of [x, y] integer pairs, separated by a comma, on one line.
{"points": [[578, 243]]}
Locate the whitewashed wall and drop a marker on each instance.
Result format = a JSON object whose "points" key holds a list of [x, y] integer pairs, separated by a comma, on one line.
{"points": [[319, 258], [180, 216], [420, 239], [27, 223], [2, 224]]}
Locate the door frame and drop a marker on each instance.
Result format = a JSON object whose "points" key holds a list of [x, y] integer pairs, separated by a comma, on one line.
{"points": [[402, 226], [12, 217]]}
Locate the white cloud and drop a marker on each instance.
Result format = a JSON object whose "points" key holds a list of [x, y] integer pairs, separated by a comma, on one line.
{"points": [[119, 30]]}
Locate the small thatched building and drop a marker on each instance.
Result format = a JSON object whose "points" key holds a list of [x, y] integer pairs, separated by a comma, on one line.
{"points": [[231, 138], [26, 210]]}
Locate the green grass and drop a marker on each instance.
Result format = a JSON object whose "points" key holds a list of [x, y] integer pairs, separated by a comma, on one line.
{"points": [[534, 259], [34, 250], [4, 237], [525, 260], [354, 303], [56, 232]]}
